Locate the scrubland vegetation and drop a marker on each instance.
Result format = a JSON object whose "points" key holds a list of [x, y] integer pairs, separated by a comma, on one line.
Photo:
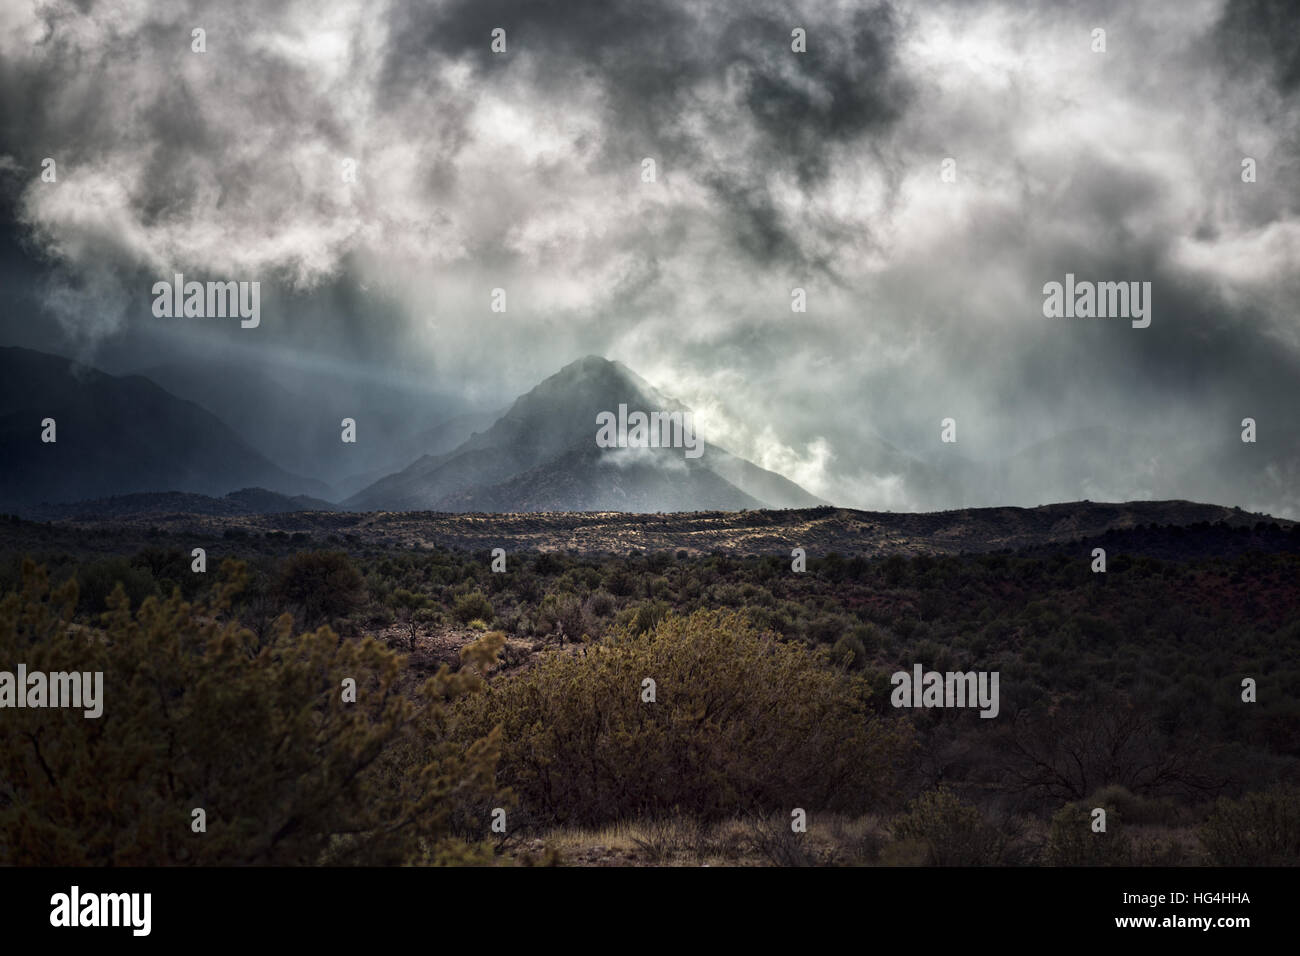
{"points": [[526, 691]]}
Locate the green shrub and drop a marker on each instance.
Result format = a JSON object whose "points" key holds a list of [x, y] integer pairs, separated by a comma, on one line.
{"points": [[850, 648], [1072, 842], [952, 832], [646, 616], [563, 614], [474, 605], [601, 603], [869, 636], [619, 581], [1135, 810], [740, 721], [96, 580], [322, 585], [1261, 829]]}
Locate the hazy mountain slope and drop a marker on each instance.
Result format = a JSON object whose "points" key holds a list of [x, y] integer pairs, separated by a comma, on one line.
{"points": [[775, 491], [292, 414], [435, 440], [115, 436], [587, 478], [541, 455]]}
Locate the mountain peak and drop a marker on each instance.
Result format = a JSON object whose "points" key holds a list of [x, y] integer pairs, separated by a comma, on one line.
{"points": [[541, 455]]}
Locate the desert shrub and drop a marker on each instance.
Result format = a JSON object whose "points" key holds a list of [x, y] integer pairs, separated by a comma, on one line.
{"points": [[601, 604], [471, 606], [1071, 840], [1065, 751], [548, 563], [170, 569], [644, 617], [952, 832], [97, 579], [412, 609], [826, 629], [740, 720], [1261, 829], [850, 648], [870, 636], [194, 717], [619, 581], [526, 586], [562, 613], [659, 587], [1168, 850], [579, 580], [894, 569], [1133, 809], [779, 845], [322, 585]]}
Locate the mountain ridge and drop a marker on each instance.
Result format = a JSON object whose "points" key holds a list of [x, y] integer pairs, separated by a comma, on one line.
{"points": [[116, 435], [541, 455]]}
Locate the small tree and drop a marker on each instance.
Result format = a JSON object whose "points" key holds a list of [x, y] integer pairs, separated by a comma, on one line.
{"points": [[412, 607]]}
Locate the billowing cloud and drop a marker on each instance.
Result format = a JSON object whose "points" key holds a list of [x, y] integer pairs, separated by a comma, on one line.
{"points": [[523, 171]]}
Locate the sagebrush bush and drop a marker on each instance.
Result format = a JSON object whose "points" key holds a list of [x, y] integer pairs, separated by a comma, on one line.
{"points": [[563, 614], [952, 832], [472, 606], [851, 649], [644, 617], [1071, 840], [1261, 829], [97, 579], [741, 722], [601, 603]]}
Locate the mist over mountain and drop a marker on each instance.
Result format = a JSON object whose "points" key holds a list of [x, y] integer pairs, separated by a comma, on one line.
{"points": [[820, 171], [125, 444], [541, 455], [123, 435], [292, 414]]}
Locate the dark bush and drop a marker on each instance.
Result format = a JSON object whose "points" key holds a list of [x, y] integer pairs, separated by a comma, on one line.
{"points": [[322, 585], [471, 607], [1261, 829]]}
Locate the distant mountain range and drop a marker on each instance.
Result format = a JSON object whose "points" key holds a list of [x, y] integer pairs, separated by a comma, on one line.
{"points": [[265, 403], [116, 436], [127, 443]]}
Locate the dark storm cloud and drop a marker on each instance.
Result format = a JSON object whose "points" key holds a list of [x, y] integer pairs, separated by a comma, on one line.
{"points": [[775, 170], [654, 63], [1262, 36]]}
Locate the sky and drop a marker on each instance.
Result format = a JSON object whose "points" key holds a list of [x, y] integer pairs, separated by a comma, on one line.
{"points": [[774, 170]]}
